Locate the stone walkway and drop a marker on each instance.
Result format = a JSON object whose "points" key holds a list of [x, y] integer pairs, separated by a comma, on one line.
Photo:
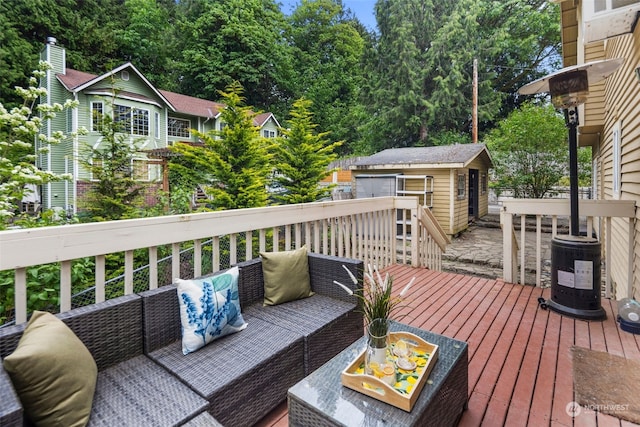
{"points": [[478, 252]]}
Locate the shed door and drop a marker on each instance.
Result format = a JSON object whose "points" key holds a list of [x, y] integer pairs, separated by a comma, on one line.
{"points": [[473, 194], [375, 186]]}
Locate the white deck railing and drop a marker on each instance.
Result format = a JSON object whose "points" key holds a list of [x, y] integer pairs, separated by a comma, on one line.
{"points": [[598, 215], [366, 229]]}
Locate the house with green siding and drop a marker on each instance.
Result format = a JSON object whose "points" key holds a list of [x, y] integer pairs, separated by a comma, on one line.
{"points": [[153, 119]]}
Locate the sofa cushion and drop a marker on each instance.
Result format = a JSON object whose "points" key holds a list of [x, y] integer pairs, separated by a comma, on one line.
{"points": [[209, 309], [53, 373], [139, 392], [243, 376], [286, 276], [328, 325]]}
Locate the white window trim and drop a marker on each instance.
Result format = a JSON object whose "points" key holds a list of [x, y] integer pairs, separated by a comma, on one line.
{"points": [[130, 124], [183, 120], [463, 188], [156, 127], [93, 129], [148, 115], [616, 167]]}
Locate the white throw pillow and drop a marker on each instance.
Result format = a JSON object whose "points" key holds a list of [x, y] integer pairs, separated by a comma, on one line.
{"points": [[209, 309]]}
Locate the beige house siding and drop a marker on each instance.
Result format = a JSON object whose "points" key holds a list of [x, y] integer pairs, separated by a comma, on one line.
{"points": [[444, 164], [622, 91]]}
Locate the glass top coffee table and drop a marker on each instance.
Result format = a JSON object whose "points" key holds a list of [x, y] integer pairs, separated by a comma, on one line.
{"points": [[321, 400]]}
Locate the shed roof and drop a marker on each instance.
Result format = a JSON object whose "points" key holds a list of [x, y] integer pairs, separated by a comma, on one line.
{"points": [[444, 156]]}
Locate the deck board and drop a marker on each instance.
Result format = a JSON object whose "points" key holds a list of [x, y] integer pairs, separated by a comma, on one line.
{"points": [[520, 367]]}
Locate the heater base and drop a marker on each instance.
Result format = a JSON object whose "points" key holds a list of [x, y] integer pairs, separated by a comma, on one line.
{"points": [[594, 314]]}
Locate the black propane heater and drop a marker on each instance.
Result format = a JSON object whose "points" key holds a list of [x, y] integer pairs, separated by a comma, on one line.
{"points": [[575, 259]]}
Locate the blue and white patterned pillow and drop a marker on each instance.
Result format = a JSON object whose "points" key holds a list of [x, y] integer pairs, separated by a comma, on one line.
{"points": [[209, 309]]}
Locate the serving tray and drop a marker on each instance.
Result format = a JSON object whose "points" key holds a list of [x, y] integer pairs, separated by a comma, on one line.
{"points": [[408, 384]]}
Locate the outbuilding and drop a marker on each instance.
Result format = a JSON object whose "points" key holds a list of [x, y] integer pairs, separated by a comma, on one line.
{"points": [[451, 180]]}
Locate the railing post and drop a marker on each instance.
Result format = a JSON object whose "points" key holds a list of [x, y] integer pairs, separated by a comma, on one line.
{"points": [[506, 221], [415, 238], [20, 295]]}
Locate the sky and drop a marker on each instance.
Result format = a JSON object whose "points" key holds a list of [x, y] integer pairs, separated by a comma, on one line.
{"points": [[363, 9]]}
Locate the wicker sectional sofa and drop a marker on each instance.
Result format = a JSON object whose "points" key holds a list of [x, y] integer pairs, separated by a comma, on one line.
{"points": [[144, 379]]}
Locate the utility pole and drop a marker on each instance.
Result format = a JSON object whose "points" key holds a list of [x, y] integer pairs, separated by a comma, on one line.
{"points": [[474, 112]]}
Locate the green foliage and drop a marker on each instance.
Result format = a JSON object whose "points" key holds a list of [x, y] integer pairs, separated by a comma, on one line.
{"points": [[234, 162], [43, 286], [115, 193], [420, 70], [326, 42], [235, 40], [302, 157], [19, 127], [408, 84], [145, 41], [529, 150]]}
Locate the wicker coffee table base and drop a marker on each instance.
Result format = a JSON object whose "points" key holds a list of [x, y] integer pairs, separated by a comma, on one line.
{"points": [[321, 400]]}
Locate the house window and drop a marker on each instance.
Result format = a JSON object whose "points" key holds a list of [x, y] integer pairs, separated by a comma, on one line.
{"points": [[483, 184], [140, 170], [122, 118], [96, 168], [608, 5], [131, 120], [269, 133], [462, 185], [157, 125], [179, 127], [617, 159], [140, 120], [97, 114]]}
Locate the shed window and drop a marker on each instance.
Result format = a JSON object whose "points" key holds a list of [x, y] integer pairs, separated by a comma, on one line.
{"points": [[483, 184], [461, 185], [269, 133]]}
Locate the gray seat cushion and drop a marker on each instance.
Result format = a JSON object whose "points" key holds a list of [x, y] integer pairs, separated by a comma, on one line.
{"points": [[328, 325], [229, 372], [140, 392]]}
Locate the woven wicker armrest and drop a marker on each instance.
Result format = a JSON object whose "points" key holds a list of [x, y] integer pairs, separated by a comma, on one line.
{"points": [[324, 269], [10, 407], [251, 282]]}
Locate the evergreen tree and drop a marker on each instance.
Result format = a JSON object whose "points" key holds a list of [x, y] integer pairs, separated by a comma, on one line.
{"points": [[233, 163], [115, 193], [302, 157], [235, 40], [326, 42]]}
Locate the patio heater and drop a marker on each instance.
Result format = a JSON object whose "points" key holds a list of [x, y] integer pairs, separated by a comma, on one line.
{"points": [[575, 259]]}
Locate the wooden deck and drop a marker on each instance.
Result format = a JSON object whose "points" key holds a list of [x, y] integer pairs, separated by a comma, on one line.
{"points": [[520, 368]]}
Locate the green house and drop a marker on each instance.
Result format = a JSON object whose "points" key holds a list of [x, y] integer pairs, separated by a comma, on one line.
{"points": [[155, 119]]}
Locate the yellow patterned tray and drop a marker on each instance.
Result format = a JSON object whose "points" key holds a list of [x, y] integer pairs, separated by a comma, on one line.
{"points": [[408, 384]]}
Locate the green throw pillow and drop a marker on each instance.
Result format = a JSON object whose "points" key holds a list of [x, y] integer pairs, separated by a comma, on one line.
{"points": [[53, 373], [286, 276]]}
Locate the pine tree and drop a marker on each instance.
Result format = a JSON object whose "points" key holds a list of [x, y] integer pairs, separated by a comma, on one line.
{"points": [[233, 163], [302, 157], [115, 194]]}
